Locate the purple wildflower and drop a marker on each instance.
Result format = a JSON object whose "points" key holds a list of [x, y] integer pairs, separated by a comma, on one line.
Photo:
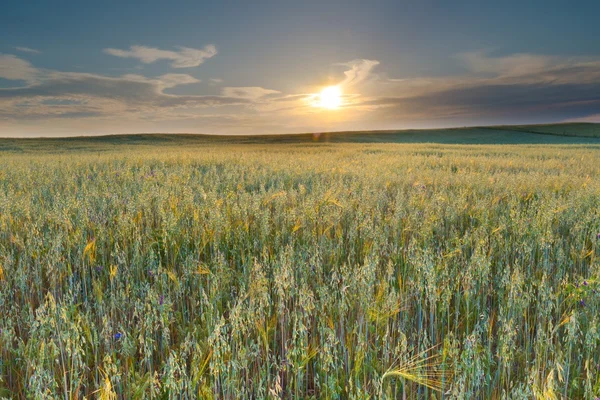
{"points": [[598, 236], [162, 299], [585, 283], [582, 303], [118, 335]]}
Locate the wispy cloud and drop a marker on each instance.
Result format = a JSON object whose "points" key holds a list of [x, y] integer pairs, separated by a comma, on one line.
{"points": [[510, 65], [128, 89], [185, 57], [16, 69], [248, 92], [28, 50], [508, 88], [590, 118], [70, 94], [359, 71]]}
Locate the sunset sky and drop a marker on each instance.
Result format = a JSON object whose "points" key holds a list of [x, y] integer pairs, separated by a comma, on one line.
{"points": [[252, 67]]}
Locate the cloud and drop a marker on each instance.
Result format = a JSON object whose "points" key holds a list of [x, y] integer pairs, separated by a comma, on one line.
{"points": [[359, 71], [16, 69], [128, 89], [185, 57], [172, 80], [494, 99], [28, 50], [511, 65], [590, 119], [73, 94], [516, 87], [513, 88], [248, 92], [532, 67]]}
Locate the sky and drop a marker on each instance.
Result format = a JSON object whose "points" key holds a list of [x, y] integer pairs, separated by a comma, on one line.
{"points": [[258, 67]]}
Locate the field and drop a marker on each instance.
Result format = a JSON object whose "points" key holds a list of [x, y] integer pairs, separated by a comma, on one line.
{"points": [[186, 267]]}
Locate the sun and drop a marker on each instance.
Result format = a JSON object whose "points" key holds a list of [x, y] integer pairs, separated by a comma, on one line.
{"points": [[330, 97]]}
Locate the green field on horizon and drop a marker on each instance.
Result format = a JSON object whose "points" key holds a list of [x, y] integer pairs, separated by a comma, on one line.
{"points": [[570, 129], [525, 134]]}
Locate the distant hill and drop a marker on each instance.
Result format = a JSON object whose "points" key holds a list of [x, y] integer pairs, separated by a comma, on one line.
{"points": [[580, 129], [575, 133]]}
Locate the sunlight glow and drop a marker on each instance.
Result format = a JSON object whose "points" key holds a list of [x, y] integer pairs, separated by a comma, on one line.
{"points": [[330, 97]]}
